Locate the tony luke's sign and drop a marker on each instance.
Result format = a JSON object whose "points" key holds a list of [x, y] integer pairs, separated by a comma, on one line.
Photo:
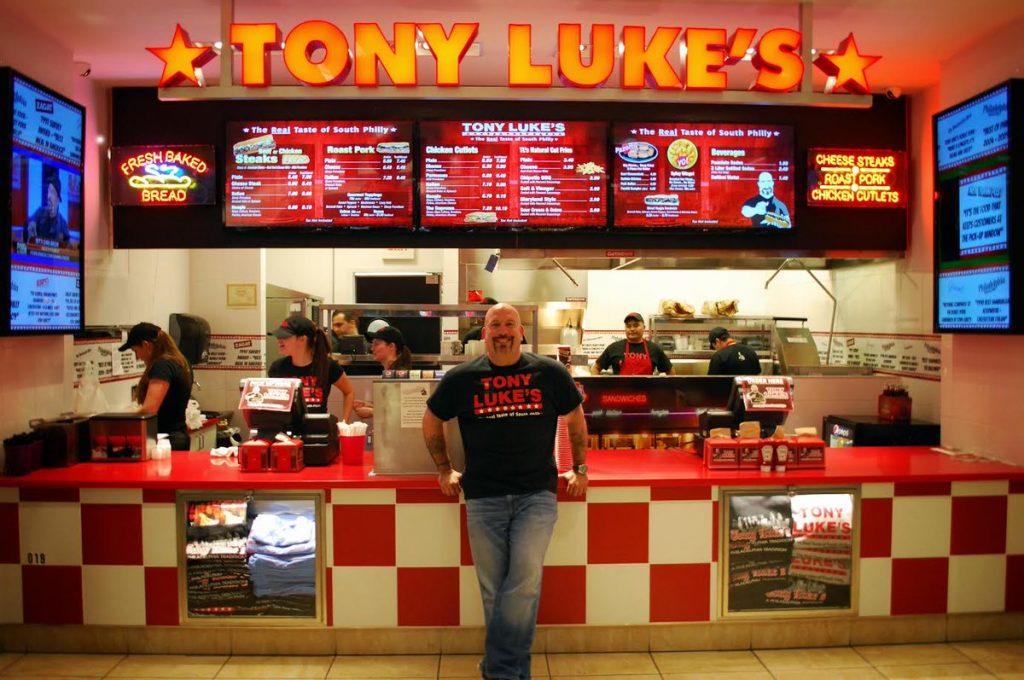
{"points": [[318, 54]]}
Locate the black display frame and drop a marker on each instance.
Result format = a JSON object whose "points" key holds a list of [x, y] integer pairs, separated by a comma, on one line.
{"points": [[140, 117], [8, 76], [945, 209]]}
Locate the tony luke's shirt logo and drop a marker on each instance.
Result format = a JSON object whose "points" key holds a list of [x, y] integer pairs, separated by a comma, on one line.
{"points": [[507, 395]]}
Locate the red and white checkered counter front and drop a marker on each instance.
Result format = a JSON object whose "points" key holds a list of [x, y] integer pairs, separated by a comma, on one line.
{"points": [[97, 543]]}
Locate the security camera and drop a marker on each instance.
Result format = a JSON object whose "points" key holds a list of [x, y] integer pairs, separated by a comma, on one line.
{"points": [[893, 92], [83, 68]]}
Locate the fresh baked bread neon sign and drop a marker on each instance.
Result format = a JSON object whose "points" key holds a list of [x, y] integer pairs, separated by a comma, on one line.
{"points": [[318, 53]]}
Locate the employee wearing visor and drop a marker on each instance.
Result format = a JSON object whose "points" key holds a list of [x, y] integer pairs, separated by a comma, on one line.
{"points": [[633, 355]]}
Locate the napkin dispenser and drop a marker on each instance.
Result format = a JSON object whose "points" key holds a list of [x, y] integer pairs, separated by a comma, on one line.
{"points": [[122, 437]]}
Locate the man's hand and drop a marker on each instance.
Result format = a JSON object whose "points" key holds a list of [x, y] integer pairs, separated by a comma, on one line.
{"points": [[448, 480], [576, 485], [762, 208]]}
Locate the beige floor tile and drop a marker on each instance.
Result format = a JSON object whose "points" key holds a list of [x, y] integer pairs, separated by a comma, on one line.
{"points": [[963, 671], [8, 659], [577, 665], [810, 659], [1004, 669], [910, 655], [465, 666], [168, 666], [410, 667], [833, 674], [63, 665], [611, 677], [698, 662], [716, 675], [301, 667], [991, 651]]}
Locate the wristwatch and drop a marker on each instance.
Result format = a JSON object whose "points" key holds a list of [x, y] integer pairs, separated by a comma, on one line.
{"points": [[580, 469]]}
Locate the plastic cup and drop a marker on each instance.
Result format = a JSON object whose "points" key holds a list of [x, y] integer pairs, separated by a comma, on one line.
{"points": [[352, 449]]}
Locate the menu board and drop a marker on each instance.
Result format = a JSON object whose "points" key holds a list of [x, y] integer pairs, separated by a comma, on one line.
{"points": [[513, 174], [703, 175], [319, 173], [788, 551]]}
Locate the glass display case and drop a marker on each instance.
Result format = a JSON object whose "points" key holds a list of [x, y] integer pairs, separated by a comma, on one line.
{"points": [[685, 341], [250, 556]]}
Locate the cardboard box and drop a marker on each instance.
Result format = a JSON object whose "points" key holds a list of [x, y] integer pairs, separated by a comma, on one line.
{"points": [[254, 456], [808, 452], [749, 453], [721, 454], [287, 456]]}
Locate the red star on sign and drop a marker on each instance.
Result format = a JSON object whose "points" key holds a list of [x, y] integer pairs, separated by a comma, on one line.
{"points": [[181, 59], [848, 66]]}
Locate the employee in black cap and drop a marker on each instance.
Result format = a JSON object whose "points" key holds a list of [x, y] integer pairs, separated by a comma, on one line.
{"points": [[633, 355], [166, 382], [306, 354], [390, 350], [730, 357]]}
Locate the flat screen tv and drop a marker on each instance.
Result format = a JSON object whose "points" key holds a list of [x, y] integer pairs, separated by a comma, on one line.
{"points": [[978, 219], [703, 175], [319, 173], [41, 162], [508, 174]]}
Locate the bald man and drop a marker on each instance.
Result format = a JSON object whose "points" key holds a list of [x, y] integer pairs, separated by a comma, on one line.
{"points": [[765, 209]]}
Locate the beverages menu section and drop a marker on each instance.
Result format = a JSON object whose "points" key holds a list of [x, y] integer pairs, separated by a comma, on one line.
{"points": [[319, 173], [513, 174], [703, 175]]}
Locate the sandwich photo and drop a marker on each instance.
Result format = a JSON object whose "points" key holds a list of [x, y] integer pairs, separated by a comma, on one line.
{"points": [[662, 200], [480, 217], [393, 147], [261, 144]]}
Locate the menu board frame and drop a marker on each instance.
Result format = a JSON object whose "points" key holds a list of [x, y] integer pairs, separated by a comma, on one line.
{"points": [[734, 604]]}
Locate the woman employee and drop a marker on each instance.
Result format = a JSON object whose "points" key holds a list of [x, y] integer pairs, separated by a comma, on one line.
{"points": [[633, 355], [306, 354], [390, 350], [166, 382]]}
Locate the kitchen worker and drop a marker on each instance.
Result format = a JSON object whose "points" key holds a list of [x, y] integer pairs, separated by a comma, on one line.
{"points": [[633, 355], [306, 355], [731, 357], [390, 350], [345, 336], [166, 382]]}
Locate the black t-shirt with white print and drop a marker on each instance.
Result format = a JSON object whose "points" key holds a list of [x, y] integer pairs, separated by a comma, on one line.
{"points": [[314, 394], [508, 417]]}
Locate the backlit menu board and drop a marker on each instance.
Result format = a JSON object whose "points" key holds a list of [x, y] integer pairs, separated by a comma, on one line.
{"points": [[513, 173], [703, 175], [319, 173]]}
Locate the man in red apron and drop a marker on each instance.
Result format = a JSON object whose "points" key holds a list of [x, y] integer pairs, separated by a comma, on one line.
{"points": [[633, 355]]}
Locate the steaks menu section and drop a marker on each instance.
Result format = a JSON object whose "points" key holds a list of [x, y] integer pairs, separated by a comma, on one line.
{"points": [[319, 173], [703, 175], [512, 173]]}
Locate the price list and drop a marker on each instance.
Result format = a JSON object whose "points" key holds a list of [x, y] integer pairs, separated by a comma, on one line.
{"points": [[276, 191]]}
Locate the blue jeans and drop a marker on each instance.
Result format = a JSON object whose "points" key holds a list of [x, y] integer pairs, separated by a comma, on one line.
{"points": [[509, 536]]}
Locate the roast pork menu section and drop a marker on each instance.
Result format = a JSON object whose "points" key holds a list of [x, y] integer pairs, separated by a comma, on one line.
{"points": [[513, 173], [319, 173], [703, 175]]}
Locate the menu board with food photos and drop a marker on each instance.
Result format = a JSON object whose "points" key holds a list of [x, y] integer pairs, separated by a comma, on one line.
{"points": [[319, 173], [703, 175], [513, 174]]}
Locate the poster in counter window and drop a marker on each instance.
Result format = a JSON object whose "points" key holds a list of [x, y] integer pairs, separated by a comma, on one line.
{"points": [[789, 552]]}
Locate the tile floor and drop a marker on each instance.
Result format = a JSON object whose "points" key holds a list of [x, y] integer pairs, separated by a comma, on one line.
{"points": [[1004, 659]]}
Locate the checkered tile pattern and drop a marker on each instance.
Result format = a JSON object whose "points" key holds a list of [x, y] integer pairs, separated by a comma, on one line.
{"points": [[400, 557]]}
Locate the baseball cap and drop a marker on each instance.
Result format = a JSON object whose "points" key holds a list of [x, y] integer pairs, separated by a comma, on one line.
{"points": [[717, 333], [139, 333], [389, 334], [375, 326], [294, 325], [633, 316]]}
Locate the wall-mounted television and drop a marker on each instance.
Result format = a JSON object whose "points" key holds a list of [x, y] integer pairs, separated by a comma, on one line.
{"points": [[489, 173], [318, 173], [704, 175], [978, 221], [41, 162]]}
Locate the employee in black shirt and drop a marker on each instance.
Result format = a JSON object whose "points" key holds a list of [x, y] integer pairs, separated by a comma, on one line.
{"points": [[633, 355], [166, 382], [731, 358]]}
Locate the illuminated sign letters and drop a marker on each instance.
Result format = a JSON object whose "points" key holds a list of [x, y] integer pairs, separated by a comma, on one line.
{"points": [[856, 178], [162, 175]]}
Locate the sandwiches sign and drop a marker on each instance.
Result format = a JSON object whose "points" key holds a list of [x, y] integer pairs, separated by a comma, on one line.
{"points": [[318, 54]]}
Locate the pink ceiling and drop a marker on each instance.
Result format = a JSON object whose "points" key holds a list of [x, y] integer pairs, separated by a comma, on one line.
{"points": [[913, 36]]}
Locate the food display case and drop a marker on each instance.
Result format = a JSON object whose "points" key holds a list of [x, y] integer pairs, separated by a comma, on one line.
{"points": [[251, 557], [685, 341]]}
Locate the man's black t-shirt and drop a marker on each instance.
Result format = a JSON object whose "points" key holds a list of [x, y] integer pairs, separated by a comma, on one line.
{"points": [[170, 418], [508, 416], [736, 359], [615, 353], [776, 213], [313, 392]]}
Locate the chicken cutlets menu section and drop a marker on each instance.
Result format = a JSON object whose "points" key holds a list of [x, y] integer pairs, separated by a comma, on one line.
{"points": [[513, 174], [703, 175], [319, 173]]}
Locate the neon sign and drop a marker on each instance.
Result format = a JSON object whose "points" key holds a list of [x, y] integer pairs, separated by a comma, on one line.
{"points": [[856, 178], [158, 175], [318, 53]]}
